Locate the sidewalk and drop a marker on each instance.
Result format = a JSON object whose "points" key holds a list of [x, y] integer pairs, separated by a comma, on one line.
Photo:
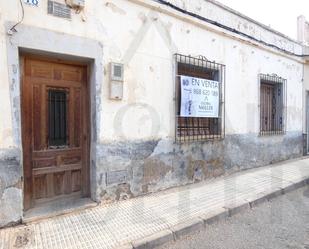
{"points": [[151, 220]]}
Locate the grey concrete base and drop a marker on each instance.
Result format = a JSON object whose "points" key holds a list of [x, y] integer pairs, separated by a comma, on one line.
{"points": [[10, 187], [131, 169], [197, 224]]}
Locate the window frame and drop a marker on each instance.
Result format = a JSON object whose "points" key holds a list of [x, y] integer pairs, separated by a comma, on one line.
{"points": [[210, 67], [273, 80]]}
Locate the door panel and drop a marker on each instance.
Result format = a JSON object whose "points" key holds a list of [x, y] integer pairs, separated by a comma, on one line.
{"points": [[55, 129]]}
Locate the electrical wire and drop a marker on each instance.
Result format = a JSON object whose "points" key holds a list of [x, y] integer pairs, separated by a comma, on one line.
{"points": [[227, 28], [13, 28]]}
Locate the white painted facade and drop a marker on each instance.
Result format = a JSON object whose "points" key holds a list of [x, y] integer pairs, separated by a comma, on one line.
{"points": [[144, 35], [145, 40]]}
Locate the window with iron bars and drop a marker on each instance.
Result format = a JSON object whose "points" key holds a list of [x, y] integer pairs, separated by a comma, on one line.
{"points": [[272, 105], [57, 117], [190, 129]]}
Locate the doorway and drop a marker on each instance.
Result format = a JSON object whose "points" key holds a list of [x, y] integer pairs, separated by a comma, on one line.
{"points": [[55, 130]]}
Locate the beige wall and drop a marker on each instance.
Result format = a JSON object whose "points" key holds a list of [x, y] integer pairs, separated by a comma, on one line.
{"points": [[145, 41]]}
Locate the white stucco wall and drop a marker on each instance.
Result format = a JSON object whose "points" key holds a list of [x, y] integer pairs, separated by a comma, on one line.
{"points": [[6, 140], [145, 41], [305, 96]]}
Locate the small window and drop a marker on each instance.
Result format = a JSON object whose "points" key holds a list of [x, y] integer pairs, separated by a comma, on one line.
{"points": [[272, 105], [57, 117], [199, 128]]}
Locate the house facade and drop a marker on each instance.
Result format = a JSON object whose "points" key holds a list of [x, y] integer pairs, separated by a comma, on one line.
{"points": [[127, 97]]}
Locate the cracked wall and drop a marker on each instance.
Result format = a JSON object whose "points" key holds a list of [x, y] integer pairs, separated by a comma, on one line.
{"points": [[10, 187], [163, 164], [133, 150]]}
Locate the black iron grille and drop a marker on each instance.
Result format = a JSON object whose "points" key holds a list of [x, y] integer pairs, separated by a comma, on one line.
{"points": [[272, 104], [199, 128], [57, 115]]}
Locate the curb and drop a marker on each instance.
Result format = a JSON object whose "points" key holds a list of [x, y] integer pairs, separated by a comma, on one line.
{"points": [[185, 228], [154, 240], [296, 186], [195, 224]]}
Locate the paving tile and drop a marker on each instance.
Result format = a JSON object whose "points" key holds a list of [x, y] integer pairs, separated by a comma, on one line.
{"points": [[119, 224]]}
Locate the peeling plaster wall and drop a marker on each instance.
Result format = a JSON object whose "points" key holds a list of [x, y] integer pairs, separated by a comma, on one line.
{"points": [[10, 187], [133, 150], [156, 165]]}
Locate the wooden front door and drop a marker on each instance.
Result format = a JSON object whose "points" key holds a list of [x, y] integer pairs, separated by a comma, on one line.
{"points": [[54, 130]]}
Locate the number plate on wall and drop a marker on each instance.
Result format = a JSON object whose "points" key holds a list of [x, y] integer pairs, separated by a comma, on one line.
{"points": [[32, 2]]}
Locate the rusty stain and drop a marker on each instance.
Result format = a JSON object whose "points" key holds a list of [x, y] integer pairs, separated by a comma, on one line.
{"points": [[145, 188], [123, 192], [117, 193], [154, 170], [210, 168]]}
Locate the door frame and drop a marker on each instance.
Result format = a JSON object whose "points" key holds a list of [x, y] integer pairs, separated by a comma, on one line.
{"points": [[86, 138], [66, 46]]}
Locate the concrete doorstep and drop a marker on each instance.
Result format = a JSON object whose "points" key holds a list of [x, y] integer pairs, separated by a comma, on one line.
{"points": [[153, 220]]}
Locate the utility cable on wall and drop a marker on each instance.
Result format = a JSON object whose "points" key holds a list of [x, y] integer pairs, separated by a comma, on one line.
{"points": [[166, 3], [13, 30]]}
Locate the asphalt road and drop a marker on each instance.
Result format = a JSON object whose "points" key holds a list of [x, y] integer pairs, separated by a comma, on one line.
{"points": [[278, 224]]}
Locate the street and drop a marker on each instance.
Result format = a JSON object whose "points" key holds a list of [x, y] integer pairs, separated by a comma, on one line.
{"points": [[281, 223]]}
